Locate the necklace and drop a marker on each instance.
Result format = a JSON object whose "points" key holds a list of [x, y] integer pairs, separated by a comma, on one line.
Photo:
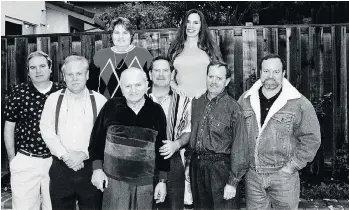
{"points": [[116, 65]]}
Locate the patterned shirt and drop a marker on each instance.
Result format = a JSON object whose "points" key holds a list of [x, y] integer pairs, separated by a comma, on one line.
{"points": [[24, 107], [108, 65]]}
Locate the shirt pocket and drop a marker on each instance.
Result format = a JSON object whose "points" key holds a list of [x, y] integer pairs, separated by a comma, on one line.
{"points": [[248, 118], [283, 126], [218, 128]]}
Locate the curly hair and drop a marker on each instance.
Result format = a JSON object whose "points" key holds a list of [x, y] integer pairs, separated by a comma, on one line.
{"points": [[125, 23]]}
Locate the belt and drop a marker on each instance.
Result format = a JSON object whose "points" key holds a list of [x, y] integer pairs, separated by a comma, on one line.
{"points": [[211, 156], [34, 155]]}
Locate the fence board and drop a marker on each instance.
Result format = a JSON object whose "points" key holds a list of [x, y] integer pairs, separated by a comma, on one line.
{"points": [[238, 66], [282, 46], [344, 85], [294, 55], [56, 77], [64, 48], [249, 39], [346, 140], [227, 48], [21, 52], [32, 48], [4, 69], [11, 59], [153, 44], [106, 41], [44, 44], [306, 61], [88, 46]]}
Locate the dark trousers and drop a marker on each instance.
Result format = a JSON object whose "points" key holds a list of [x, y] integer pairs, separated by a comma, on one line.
{"points": [[121, 195], [175, 186], [208, 179], [68, 186]]}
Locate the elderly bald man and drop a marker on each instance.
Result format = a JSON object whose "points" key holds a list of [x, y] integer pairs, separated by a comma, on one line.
{"points": [[127, 136]]}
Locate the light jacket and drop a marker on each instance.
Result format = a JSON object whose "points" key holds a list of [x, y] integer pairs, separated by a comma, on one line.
{"points": [[290, 133]]}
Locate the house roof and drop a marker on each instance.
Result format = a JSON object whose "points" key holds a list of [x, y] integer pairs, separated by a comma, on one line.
{"points": [[73, 8], [91, 17]]}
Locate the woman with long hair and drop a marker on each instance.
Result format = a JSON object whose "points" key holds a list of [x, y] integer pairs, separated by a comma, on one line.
{"points": [[108, 63], [191, 52]]}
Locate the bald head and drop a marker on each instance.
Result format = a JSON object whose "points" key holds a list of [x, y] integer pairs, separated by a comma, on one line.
{"points": [[134, 84], [131, 73]]}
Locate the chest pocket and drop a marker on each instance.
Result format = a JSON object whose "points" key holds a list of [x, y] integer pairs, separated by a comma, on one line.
{"points": [[217, 127], [248, 117], [283, 122]]}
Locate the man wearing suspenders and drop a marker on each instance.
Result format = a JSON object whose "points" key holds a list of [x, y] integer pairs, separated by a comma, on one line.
{"points": [[66, 123]]}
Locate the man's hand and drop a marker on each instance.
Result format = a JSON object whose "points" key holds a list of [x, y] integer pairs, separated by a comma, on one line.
{"points": [[79, 167], [160, 192], [169, 148], [98, 177], [229, 192], [74, 159]]}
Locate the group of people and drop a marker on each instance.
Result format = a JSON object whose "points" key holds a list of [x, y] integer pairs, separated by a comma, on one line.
{"points": [[109, 140]]}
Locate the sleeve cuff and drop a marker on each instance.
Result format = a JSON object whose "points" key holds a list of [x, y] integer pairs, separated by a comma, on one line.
{"points": [[163, 175], [233, 181], [97, 164]]}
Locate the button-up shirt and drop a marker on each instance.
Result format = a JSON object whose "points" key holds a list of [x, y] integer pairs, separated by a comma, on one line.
{"points": [[24, 107], [218, 126], [75, 121]]}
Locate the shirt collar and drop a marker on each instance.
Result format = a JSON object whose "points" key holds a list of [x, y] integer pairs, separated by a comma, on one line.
{"points": [[262, 96], [217, 98], [80, 95]]}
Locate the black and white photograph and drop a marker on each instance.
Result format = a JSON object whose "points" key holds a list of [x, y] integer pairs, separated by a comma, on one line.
{"points": [[174, 105]]}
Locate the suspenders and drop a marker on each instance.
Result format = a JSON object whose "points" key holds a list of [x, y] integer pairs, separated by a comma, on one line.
{"points": [[59, 104]]}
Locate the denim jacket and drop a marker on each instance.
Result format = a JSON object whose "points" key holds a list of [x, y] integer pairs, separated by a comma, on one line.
{"points": [[290, 133]]}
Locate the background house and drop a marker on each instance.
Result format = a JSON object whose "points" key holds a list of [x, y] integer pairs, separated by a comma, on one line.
{"points": [[40, 17]]}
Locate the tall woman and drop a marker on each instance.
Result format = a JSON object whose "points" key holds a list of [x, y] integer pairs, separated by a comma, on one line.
{"points": [[108, 63], [191, 52]]}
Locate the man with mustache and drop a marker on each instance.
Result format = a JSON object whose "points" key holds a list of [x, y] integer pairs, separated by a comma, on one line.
{"points": [[217, 152], [177, 108], [284, 135]]}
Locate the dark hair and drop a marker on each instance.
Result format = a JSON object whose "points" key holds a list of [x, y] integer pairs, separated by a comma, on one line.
{"points": [[219, 64], [161, 58], [39, 54], [205, 41], [273, 56], [125, 23]]}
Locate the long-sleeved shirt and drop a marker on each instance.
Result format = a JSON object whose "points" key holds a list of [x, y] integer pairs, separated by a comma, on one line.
{"points": [[218, 126], [125, 141], [75, 122], [177, 107]]}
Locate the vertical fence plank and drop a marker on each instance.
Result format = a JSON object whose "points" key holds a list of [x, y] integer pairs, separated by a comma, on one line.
{"points": [[282, 44], [347, 60], [44, 44], [344, 85], [106, 41], [249, 41], [335, 98], [267, 41], [275, 40], [227, 48], [88, 46], [32, 48], [4, 68], [260, 47], [154, 43], [11, 59], [306, 61], [294, 55], [21, 52], [238, 64], [55, 62], [64, 50]]}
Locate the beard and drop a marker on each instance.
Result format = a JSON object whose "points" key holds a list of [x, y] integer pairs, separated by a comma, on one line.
{"points": [[270, 84]]}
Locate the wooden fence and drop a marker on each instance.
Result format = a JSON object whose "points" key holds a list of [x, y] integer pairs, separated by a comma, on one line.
{"points": [[316, 56]]}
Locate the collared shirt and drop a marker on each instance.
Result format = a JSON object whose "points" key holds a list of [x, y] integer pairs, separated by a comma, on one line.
{"points": [[182, 114], [217, 125], [74, 124], [117, 112], [266, 103], [24, 107]]}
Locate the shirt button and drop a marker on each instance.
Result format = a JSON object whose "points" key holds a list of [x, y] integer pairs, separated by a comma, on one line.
{"points": [[267, 108]]}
